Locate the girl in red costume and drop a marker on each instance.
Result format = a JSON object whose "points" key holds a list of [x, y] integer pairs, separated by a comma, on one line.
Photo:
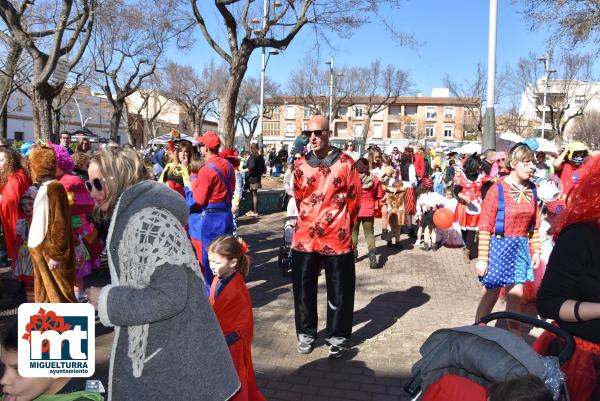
{"points": [[177, 174], [231, 302], [467, 188], [14, 182], [569, 290], [87, 243]]}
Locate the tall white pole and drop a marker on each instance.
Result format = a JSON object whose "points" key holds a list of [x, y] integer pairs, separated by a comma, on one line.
{"points": [[546, 68], [331, 94], [489, 132], [263, 66]]}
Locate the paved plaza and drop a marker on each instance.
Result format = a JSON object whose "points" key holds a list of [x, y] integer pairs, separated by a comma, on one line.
{"points": [[396, 309]]}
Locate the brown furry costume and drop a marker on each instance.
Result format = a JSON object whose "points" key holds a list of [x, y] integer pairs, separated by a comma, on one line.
{"points": [[57, 244]]}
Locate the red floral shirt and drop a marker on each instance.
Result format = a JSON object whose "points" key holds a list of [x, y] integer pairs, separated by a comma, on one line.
{"points": [[471, 189], [327, 192]]}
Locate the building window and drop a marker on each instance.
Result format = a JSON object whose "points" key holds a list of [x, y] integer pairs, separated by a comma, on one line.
{"points": [[430, 115], [448, 132], [343, 111], [341, 129], [358, 112], [290, 112], [304, 126], [410, 110], [394, 110], [410, 129], [289, 129], [358, 130], [430, 131], [378, 116], [579, 100], [393, 130], [18, 136], [449, 113], [377, 131], [276, 113], [270, 128], [308, 112]]}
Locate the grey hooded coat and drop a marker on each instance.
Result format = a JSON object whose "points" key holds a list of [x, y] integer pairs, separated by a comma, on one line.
{"points": [[168, 344]]}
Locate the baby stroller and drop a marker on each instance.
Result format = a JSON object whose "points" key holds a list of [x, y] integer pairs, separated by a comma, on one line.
{"points": [[285, 250], [462, 363]]}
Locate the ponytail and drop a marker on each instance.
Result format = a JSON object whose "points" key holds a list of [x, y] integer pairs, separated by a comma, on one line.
{"points": [[233, 248]]}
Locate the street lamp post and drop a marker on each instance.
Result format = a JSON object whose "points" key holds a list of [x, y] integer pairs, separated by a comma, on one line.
{"points": [[339, 74], [548, 71], [264, 59], [489, 128]]}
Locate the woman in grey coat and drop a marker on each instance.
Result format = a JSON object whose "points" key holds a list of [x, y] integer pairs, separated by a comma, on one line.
{"points": [[168, 344]]}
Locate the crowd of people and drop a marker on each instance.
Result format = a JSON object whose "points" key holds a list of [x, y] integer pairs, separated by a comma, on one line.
{"points": [[168, 221]]}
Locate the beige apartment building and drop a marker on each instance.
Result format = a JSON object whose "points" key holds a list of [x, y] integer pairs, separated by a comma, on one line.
{"points": [[410, 119]]}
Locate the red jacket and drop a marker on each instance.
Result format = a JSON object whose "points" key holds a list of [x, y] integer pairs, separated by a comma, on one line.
{"points": [[10, 209], [419, 164], [233, 308], [369, 197], [327, 194], [209, 188]]}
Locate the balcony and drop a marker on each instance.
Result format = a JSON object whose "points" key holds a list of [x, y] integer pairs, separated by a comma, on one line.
{"points": [[449, 118]]}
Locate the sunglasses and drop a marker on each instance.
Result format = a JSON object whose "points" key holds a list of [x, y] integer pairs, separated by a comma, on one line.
{"points": [[95, 183], [317, 132]]}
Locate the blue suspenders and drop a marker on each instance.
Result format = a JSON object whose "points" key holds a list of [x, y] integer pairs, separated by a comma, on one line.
{"points": [[500, 216]]}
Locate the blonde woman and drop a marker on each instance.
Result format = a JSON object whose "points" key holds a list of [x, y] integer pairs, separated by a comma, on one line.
{"points": [[164, 325], [508, 234]]}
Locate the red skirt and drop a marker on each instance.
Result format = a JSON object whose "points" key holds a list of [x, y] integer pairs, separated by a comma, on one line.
{"points": [[410, 202], [581, 371], [465, 220]]}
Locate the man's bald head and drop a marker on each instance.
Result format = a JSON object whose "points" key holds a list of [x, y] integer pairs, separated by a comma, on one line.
{"points": [[318, 122]]}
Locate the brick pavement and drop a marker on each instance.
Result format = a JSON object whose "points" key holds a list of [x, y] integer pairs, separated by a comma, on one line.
{"points": [[396, 309]]}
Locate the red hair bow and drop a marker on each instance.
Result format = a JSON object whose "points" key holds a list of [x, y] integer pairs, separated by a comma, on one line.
{"points": [[244, 246]]}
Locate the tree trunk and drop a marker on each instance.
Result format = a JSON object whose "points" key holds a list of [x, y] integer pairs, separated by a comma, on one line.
{"points": [[229, 94], [365, 133], [4, 121], [115, 121], [41, 100], [6, 81], [56, 114]]}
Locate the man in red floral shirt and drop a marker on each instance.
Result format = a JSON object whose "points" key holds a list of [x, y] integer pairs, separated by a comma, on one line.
{"points": [[327, 192]]}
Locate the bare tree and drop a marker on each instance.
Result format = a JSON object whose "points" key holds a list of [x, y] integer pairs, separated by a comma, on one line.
{"points": [[574, 22], [248, 105], [472, 94], [7, 76], [284, 21], [129, 40], [48, 33], [567, 96], [195, 93], [309, 85], [586, 128], [514, 120], [374, 88]]}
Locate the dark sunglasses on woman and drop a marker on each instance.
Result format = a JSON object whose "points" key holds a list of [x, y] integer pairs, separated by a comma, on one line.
{"points": [[95, 183]]}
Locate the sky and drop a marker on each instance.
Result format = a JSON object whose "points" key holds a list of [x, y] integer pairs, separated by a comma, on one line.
{"points": [[452, 36]]}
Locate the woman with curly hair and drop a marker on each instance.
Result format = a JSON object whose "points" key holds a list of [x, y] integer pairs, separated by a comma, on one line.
{"points": [[569, 290], [14, 182]]}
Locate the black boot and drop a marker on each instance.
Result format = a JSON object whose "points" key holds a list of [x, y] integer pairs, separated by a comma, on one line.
{"points": [[355, 255], [373, 260], [384, 233]]}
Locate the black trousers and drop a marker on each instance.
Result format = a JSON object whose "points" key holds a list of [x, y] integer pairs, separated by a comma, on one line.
{"points": [[340, 278]]}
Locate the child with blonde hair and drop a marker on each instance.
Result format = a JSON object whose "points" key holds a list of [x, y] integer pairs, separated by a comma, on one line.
{"points": [[231, 302]]}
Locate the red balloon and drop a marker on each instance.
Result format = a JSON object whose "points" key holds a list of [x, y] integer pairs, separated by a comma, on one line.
{"points": [[443, 218]]}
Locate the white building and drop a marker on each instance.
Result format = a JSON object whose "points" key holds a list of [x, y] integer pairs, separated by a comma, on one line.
{"points": [[575, 97], [92, 110]]}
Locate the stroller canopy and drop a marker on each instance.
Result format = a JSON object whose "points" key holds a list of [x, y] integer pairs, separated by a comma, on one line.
{"points": [[483, 354]]}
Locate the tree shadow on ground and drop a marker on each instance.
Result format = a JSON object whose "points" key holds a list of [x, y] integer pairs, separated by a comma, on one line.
{"points": [[385, 310]]}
